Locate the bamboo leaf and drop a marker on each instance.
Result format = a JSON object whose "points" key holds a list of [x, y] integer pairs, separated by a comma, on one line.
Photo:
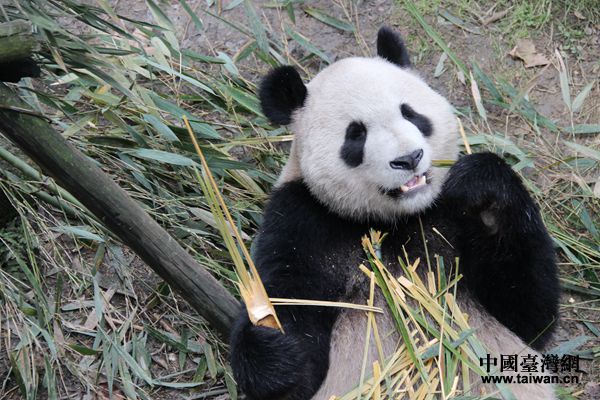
{"points": [[564, 81], [163, 157], [257, 27], [412, 9], [160, 127], [328, 19], [439, 68], [81, 232], [580, 99], [569, 346], [86, 351], [192, 15], [304, 42], [584, 129], [586, 151]]}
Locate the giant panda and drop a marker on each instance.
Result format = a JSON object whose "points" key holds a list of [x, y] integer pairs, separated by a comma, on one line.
{"points": [[366, 132]]}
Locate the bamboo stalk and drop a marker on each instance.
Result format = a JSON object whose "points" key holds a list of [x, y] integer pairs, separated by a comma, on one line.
{"points": [[260, 309]]}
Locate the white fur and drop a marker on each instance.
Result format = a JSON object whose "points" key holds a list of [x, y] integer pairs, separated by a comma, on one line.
{"points": [[348, 342], [369, 90]]}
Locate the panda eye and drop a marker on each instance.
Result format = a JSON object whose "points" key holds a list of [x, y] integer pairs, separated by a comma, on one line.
{"points": [[418, 120], [356, 131]]}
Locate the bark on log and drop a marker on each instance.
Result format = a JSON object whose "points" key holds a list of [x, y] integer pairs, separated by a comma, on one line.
{"points": [[16, 41], [118, 211]]}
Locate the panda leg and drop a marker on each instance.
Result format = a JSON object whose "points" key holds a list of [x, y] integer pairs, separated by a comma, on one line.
{"points": [[506, 255], [270, 365]]}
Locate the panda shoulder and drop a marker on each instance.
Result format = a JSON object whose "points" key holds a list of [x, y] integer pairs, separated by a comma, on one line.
{"points": [[291, 205]]}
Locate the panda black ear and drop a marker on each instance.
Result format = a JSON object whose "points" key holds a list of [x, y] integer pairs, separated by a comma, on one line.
{"points": [[281, 92], [391, 47]]}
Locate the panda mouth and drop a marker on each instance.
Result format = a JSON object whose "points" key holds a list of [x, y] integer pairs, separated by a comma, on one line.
{"points": [[414, 184]]}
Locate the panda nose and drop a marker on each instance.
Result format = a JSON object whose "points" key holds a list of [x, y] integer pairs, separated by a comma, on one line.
{"points": [[408, 161]]}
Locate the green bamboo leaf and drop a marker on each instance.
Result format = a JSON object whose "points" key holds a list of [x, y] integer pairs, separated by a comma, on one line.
{"points": [[200, 370], [210, 360], [439, 69], [583, 129], [593, 328], [305, 42], [459, 22], [569, 346], [185, 77], [244, 99], [257, 27], [177, 385], [328, 19], [230, 384], [586, 219], [160, 127], [564, 81], [233, 5], [412, 9], [228, 64], [580, 99], [169, 107], [115, 52], [86, 351], [173, 341], [205, 130], [163, 20], [133, 365], [192, 15], [50, 379], [126, 381], [82, 232], [289, 9], [163, 157], [586, 151], [487, 82], [201, 57]]}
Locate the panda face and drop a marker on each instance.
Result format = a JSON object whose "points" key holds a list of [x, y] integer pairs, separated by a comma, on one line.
{"points": [[366, 132], [366, 136]]}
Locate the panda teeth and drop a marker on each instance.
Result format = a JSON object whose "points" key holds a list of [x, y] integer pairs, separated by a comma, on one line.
{"points": [[414, 183]]}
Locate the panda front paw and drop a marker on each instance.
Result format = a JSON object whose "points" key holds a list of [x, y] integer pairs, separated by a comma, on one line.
{"points": [[266, 363], [482, 187]]}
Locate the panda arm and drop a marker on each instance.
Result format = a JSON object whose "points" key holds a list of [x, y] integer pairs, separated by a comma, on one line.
{"points": [[506, 255], [266, 363]]}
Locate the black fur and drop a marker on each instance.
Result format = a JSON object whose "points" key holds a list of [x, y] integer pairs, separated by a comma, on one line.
{"points": [[281, 93], [506, 254], [391, 47], [352, 152], [306, 251], [418, 120], [14, 71]]}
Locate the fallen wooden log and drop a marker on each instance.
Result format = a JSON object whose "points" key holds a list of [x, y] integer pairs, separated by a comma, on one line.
{"points": [[117, 210], [17, 43]]}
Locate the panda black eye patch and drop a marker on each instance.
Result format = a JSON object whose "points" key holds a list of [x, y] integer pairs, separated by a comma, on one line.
{"points": [[352, 151], [418, 120]]}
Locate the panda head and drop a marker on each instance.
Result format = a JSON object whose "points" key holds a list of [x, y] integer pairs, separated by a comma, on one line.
{"points": [[366, 132]]}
